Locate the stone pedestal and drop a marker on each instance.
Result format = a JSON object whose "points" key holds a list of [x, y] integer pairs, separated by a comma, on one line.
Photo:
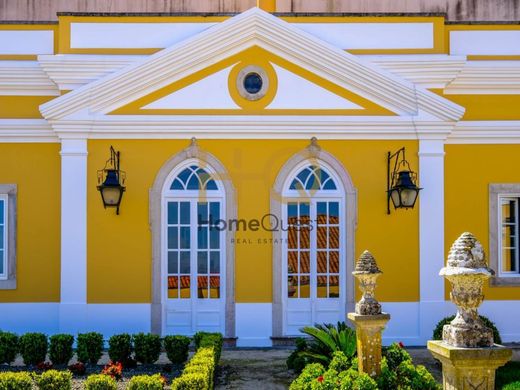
{"points": [[368, 333], [469, 368]]}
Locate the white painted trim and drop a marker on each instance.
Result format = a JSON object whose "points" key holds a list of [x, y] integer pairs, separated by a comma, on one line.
{"points": [[26, 130], [74, 221], [485, 132], [4, 222], [252, 28], [485, 42], [25, 78], [254, 324]]}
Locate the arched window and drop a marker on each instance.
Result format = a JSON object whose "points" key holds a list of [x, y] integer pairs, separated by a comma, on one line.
{"points": [[194, 178]]}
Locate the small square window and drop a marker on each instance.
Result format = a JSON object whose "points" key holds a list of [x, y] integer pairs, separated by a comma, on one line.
{"points": [[504, 239]]}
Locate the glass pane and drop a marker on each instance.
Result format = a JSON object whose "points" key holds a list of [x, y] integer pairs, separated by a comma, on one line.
{"points": [[202, 213], [508, 236], [321, 236], [185, 263], [312, 183], [292, 238], [292, 211], [304, 213], [333, 212], [508, 211], [211, 185], [173, 241], [185, 237], [173, 262], [202, 287], [321, 286], [214, 262], [305, 238], [508, 260], [2, 211], [321, 210], [173, 287], [176, 185], [214, 289], [183, 176], [296, 185], [304, 173], [185, 213], [305, 263], [193, 183], [202, 237], [185, 286], [305, 291], [334, 237], [334, 262], [292, 262], [321, 265], [214, 212], [334, 286], [292, 286], [1, 239], [1, 262], [214, 238], [202, 262], [329, 185], [173, 215]]}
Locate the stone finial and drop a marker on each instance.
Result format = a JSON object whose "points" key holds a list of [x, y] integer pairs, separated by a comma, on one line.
{"points": [[467, 270], [367, 272], [192, 150], [313, 147]]}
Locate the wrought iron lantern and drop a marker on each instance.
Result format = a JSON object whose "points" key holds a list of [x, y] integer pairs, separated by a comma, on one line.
{"points": [[402, 187], [111, 181]]}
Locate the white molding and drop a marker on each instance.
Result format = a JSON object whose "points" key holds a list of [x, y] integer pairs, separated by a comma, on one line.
{"points": [[71, 71], [26, 130], [26, 42], [485, 132], [252, 28], [73, 223], [486, 77], [25, 78]]}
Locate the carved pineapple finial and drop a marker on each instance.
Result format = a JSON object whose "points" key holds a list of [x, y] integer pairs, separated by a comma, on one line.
{"points": [[367, 272]]}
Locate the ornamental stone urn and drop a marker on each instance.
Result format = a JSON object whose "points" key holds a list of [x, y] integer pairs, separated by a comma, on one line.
{"points": [[467, 351], [368, 318]]}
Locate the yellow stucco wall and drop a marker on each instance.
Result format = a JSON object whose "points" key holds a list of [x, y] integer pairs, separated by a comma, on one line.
{"points": [[35, 168], [469, 170], [119, 247]]}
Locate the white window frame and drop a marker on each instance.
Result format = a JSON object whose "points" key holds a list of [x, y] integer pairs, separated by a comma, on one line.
{"points": [[498, 192], [8, 196]]}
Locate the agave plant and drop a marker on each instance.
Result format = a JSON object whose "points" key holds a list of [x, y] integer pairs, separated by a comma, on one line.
{"points": [[327, 339]]}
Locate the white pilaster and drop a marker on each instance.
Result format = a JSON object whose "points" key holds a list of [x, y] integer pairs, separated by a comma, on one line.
{"points": [[73, 234], [431, 234]]}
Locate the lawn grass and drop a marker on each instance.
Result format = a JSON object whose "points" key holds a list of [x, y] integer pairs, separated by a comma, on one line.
{"points": [[508, 376]]}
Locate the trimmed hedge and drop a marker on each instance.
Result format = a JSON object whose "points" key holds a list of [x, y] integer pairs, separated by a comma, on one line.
{"points": [[8, 347], [198, 372], [15, 381], [54, 380], [120, 348], [146, 382], [177, 348], [100, 382], [205, 340], [147, 347], [33, 348], [60, 348], [90, 347]]}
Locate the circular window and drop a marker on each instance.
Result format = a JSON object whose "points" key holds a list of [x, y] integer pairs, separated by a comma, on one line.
{"points": [[252, 82]]}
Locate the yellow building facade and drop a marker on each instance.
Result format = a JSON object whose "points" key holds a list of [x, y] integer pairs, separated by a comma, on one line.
{"points": [[255, 157]]}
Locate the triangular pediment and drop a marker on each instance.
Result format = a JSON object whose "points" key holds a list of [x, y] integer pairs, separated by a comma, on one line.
{"points": [[180, 79]]}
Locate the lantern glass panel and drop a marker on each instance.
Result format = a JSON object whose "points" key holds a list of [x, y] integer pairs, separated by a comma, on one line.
{"points": [[396, 200], [408, 197], [111, 195]]}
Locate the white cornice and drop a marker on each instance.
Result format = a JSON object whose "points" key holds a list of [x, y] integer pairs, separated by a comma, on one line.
{"points": [[487, 77], [253, 27], [485, 132], [71, 71], [25, 78], [26, 130]]}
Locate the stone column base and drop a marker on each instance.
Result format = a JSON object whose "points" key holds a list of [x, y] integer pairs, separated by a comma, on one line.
{"points": [[469, 368], [368, 333]]}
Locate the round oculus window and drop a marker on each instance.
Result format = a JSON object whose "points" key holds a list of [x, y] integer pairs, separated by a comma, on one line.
{"points": [[252, 82]]}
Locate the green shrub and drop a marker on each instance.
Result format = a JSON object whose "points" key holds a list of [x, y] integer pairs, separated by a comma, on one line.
{"points": [[120, 348], [364, 382], [33, 348], [90, 347], [147, 347], [339, 362], [146, 382], [8, 347], [15, 381], [60, 348], [509, 374], [395, 354], [198, 372], [177, 348], [437, 332], [308, 376], [512, 386], [296, 361], [209, 340], [100, 382], [54, 380], [328, 338]]}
